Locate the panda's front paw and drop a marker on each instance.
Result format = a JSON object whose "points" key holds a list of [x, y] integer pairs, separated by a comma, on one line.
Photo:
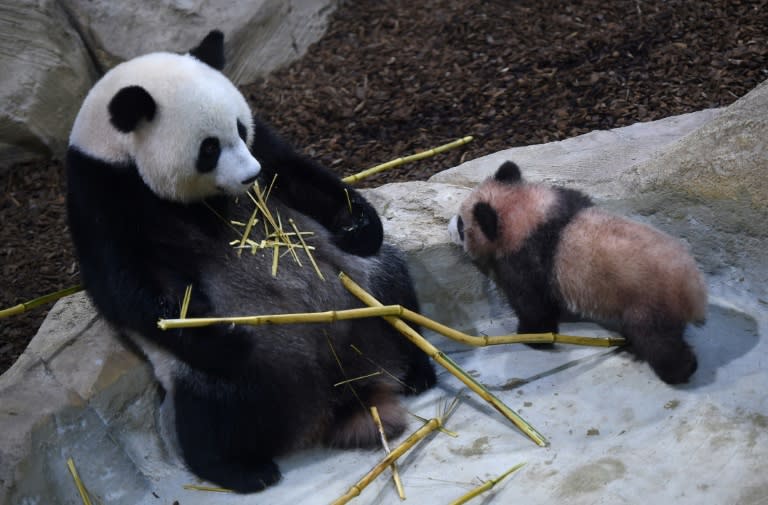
{"points": [[359, 231]]}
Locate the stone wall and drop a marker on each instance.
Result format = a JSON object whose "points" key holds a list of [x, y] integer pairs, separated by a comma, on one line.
{"points": [[51, 52]]}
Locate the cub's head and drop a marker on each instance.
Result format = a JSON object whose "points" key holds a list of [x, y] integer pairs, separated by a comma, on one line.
{"points": [[500, 214], [177, 118]]}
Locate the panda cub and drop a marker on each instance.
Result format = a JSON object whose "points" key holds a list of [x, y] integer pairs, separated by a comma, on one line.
{"points": [[158, 153], [554, 254]]}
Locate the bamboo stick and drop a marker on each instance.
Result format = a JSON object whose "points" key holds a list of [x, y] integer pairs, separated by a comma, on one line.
{"points": [[401, 449], [395, 473], [311, 317], [398, 311], [209, 489], [518, 338], [248, 228], [485, 486], [78, 483], [42, 300], [306, 249], [185, 302], [407, 159], [447, 363], [428, 427]]}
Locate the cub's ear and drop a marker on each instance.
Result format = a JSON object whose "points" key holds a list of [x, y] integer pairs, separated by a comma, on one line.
{"points": [[129, 106], [508, 173], [211, 50], [486, 217]]}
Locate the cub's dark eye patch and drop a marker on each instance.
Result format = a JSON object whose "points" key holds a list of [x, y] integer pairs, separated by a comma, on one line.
{"points": [[208, 156], [242, 131], [460, 228]]}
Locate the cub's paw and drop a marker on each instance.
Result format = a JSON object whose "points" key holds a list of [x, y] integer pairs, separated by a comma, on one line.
{"points": [[675, 368]]}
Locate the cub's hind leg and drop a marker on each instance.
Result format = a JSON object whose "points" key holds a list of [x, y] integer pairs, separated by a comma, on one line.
{"points": [[655, 338]]}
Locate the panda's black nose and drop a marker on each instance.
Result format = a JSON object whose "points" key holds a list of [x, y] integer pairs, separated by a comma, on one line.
{"points": [[249, 180]]}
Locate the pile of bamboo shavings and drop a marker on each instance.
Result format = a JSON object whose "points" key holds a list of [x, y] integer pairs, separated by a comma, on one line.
{"points": [[275, 237]]}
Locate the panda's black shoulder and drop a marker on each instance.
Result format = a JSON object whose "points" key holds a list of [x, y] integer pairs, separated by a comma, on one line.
{"points": [[569, 203], [268, 147], [101, 186]]}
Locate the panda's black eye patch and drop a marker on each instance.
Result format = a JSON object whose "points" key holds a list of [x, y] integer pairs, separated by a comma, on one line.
{"points": [[242, 131], [460, 228], [208, 156]]}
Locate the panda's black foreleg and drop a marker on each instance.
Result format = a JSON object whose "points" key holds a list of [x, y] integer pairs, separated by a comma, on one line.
{"points": [[306, 186], [225, 435], [536, 313], [393, 286]]}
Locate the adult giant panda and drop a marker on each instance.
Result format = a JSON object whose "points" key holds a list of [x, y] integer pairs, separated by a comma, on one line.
{"points": [[554, 254], [156, 153]]}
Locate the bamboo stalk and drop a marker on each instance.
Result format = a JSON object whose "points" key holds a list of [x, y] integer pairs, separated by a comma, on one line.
{"points": [[428, 427], [401, 312], [518, 338], [381, 368], [407, 159], [275, 258], [78, 483], [306, 249], [310, 317], [210, 489], [485, 486], [354, 379], [447, 363], [349, 201], [185, 302], [42, 300], [247, 231], [395, 472]]}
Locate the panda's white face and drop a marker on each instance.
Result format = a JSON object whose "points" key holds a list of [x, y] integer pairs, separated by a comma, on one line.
{"points": [[184, 124]]}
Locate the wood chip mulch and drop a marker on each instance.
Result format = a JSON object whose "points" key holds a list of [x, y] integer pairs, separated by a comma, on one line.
{"points": [[391, 78]]}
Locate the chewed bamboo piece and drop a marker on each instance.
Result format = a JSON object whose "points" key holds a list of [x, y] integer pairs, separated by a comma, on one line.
{"points": [[185, 302], [447, 363], [489, 484], [306, 249], [42, 300], [209, 489], [407, 159], [78, 483], [395, 473], [427, 428]]}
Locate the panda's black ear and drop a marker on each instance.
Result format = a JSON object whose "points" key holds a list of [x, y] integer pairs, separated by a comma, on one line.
{"points": [[211, 50], [508, 173], [129, 106], [486, 217]]}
